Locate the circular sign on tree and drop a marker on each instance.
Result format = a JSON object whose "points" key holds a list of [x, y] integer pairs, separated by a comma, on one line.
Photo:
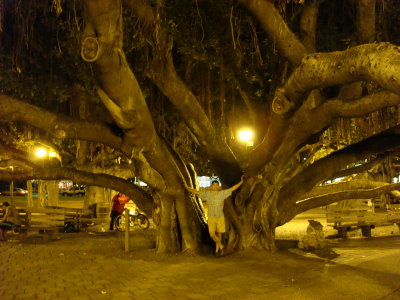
{"points": [[90, 49]]}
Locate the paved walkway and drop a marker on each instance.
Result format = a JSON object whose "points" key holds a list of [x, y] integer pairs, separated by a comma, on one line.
{"points": [[83, 266]]}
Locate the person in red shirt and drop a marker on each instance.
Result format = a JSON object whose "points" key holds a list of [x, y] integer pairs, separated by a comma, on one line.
{"points": [[118, 205]]}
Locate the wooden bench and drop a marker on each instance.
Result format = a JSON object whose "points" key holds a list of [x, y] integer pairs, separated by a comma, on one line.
{"points": [[45, 221], [344, 218], [50, 220], [57, 219], [363, 216], [393, 211], [75, 218]]}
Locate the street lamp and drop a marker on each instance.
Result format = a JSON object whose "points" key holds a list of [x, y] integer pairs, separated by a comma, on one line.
{"points": [[41, 152], [246, 135]]}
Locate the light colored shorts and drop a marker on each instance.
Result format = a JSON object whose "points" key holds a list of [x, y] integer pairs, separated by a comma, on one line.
{"points": [[216, 224]]}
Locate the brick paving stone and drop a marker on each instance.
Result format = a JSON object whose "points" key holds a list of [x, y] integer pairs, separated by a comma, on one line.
{"points": [[55, 290], [194, 296], [100, 297], [180, 293], [162, 291], [214, 293], [130, 297], [23, 296], [121, 294], [81, 297]]}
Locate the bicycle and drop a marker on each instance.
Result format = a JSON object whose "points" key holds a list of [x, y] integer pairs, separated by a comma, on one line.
{"points": [[134, 217]]}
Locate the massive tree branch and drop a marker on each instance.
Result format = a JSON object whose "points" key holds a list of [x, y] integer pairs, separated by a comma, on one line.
{"points": [[21, 158], [34, 170], [307, 123], [60, 126], [356, 184], [120, 91], [360, 169], [327, 166], [327, 199], [141, 198], [274, 25], [373, 62]]}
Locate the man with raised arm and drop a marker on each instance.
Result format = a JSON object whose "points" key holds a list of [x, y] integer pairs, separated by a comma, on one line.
{"points": [[215, 198]]}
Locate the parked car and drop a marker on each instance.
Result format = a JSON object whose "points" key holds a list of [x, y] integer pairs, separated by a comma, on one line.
{"points": [[17, 192], [74, 191]]}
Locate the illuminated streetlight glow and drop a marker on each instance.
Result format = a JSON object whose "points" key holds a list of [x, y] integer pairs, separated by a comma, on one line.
{"points": [[52, 154], [245, 135], [41, 152]]}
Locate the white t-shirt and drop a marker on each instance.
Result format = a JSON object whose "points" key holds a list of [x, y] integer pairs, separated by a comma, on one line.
{"points": [[215, 201]]}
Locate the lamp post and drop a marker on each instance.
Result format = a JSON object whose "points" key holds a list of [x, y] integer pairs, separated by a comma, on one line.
{"points": [[12, 187]]}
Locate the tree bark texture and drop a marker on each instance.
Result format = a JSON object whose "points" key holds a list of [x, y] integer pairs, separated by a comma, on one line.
{"points": [[373, 62]]}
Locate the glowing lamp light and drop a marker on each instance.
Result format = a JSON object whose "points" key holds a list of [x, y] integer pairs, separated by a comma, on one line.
{"points": [[52, 154], [245, 135], [41, 152]]}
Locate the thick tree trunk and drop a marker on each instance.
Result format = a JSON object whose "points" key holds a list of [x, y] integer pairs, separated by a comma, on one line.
{"points": [[30, 192], [167, 233], [95, 194], [42, 199], [52, 193], [254, 218]]}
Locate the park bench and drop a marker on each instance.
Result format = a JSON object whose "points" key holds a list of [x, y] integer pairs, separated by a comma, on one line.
{"points": [[42, 221], [75, 218], [48, 221], [363, 215], [344, 218], [393, 211]]}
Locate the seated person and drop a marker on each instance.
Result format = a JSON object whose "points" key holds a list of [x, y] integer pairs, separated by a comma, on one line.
{"points": [[10, 219]]}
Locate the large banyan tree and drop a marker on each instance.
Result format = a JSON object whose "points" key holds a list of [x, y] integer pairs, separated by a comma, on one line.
{"points": [[161, 87]]}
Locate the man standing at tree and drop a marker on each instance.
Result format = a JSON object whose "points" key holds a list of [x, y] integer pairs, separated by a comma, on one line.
{"points": [[215, 198], [118, 205]]}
